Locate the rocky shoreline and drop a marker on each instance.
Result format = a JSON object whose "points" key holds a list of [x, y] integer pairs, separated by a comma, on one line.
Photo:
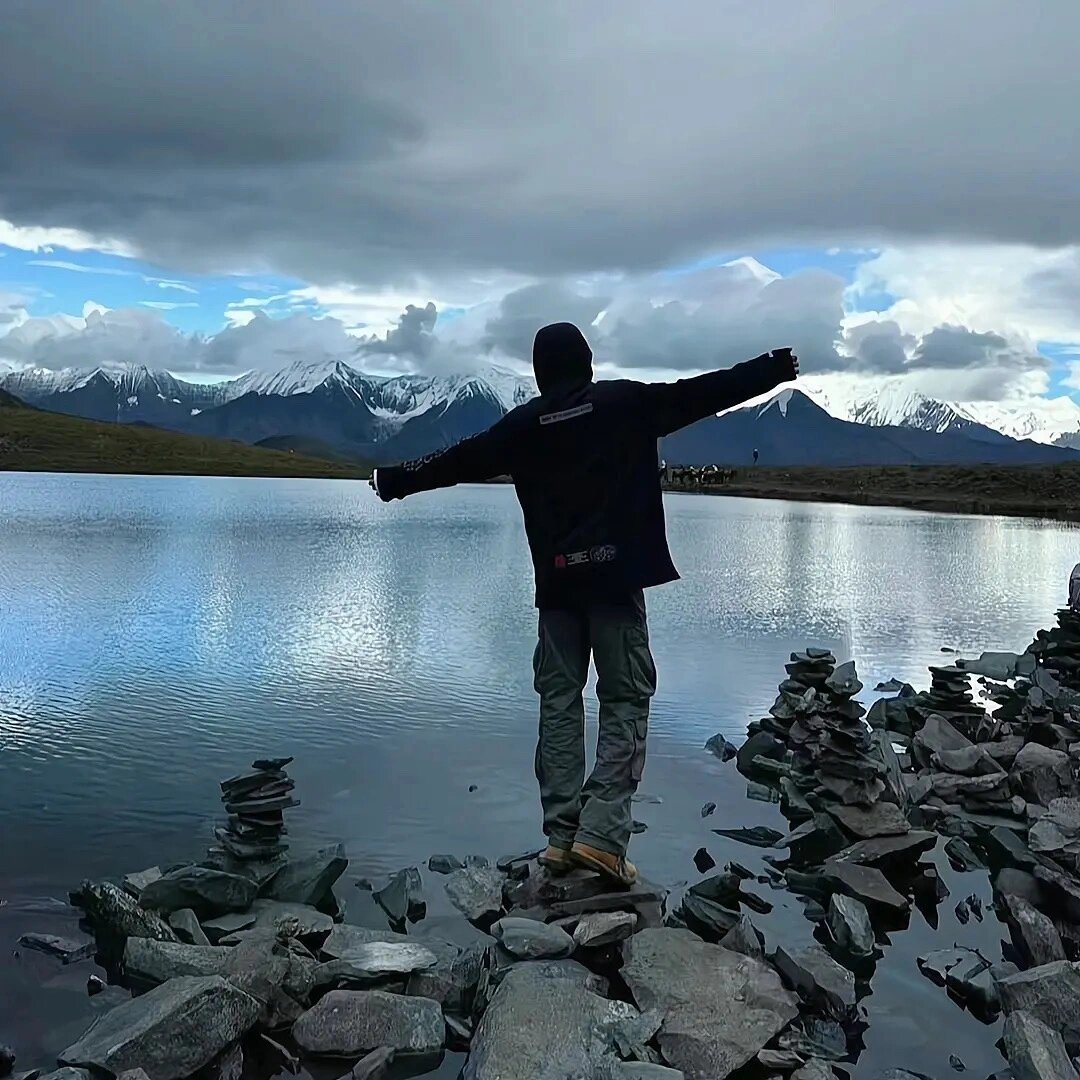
{"points": [[243, 964]]}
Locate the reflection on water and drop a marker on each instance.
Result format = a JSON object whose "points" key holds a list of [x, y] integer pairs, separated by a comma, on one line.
{"points": [[155, 632]]}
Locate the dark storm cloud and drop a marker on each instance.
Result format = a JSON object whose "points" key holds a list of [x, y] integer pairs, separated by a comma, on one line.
{"points": [[343, 141], [959, 347], [411, 337], [523, 311]]}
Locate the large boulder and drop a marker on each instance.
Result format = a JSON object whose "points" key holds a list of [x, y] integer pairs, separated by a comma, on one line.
{"points": [[1050, 993], [159, 961], [1035, 1052], [543, 1024], [1034, 935], [308, 878], [527, 939], [207, 892], [454, 979], [367, 964], [1041, 774], [477, 892], [170, 1032], [818, 979], [348, 1023], [720, 1007], [301, 919]]}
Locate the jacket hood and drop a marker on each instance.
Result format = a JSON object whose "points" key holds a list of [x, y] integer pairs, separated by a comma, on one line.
{"points": [[561, 357]]}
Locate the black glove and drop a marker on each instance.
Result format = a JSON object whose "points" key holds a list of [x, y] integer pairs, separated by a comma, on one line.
{"points": [[785, 365]]}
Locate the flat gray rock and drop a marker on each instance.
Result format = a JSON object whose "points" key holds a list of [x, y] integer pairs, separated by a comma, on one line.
{"points": [[936, 735], [185, 924], [208, 893], [881, 819], [886, 852], [744, 937], [348, 1023], [170, 1032], [69, 950], [444, 864], [1034, 935], [817, 978], [225, 925], [543, 1025], [604, 928], [273, 914], [307, 878], [373, 1066], [135, 883], [528, 939], [1041, 774], [864, 883], [719, 1007], [849, 923], [369, 963], [1050, 993], [815, 1069], [477, 892], [158, 961], [1034, 1051], [968, 761]]}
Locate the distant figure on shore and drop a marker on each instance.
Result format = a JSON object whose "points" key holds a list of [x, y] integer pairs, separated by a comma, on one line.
{"points": [[1074, 588], [583, 459], [755, 455]]}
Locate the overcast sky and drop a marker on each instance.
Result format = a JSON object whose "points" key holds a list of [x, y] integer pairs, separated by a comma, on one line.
{"points": [[212, 186]]}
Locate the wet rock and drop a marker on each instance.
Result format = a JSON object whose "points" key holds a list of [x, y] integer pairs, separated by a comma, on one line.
{"points": [[968, 761], [762, 744], [707, 918], [1050, 993], [812, 1037], [69, 950], [308, 878], [1061, 891], [890, 852], [817, 978], [937, 735], [604, 928], [704, 992], [814, 1070], [956, 1063], [642, 897], [866, 822], [962, 856], [444, 864], [158, 961], [720, 746], [208, 893], [850, 926], [1041, 774], [347, 1023], [762, 792], [744, 937], [225, 925], [708, 809], [373, 1066], [1035, 1052], [185, 924], [367, 964], [135, 883], [402, 898], [758, 836], [864, 883], [170, 1032], [814, 840], [1033, 934], [299, 920], [890, 686], [476, 892], [543, 1024], [703, 861], [94, 985], [527, 939]]}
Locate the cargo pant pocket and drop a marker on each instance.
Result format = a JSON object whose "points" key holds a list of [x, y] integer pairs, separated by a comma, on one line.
{"points": [[637, 760]]}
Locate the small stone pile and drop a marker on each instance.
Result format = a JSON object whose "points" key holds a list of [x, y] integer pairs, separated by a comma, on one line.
{"points": [[950, 697], [832, 748], [256, 802], [1058, 649]]}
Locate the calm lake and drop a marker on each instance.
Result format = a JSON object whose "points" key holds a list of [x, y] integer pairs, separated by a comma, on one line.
{"points": [[157, 634]]}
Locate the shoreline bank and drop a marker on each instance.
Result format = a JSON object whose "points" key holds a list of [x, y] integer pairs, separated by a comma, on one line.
{"points": [[1042, 492]]}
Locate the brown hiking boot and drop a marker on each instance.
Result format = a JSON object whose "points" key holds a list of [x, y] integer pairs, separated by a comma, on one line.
{"points": [[615, 867], [556, 860]]}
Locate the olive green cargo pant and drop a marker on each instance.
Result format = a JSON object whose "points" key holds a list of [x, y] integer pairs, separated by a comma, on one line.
{"points": [[616, 637]]}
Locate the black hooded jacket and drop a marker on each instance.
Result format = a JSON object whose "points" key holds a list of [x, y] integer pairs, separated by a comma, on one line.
{"points": [[583, 458]]}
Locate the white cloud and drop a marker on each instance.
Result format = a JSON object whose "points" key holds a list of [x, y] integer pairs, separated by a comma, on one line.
{"points": [[40, 238], [166, 305], [165, 283], [239, 317], [80, 268]]}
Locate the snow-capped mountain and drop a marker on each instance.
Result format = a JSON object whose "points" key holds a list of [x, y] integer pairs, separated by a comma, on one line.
{"points": [[891, 402]]}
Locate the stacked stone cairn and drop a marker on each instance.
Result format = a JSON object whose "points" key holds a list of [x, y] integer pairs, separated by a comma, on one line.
{"points": [[1058, 649], [256, 802]]}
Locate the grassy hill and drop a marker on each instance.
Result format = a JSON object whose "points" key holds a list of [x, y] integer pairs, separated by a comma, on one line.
{"points": [[1047, 491], [35, 441]]}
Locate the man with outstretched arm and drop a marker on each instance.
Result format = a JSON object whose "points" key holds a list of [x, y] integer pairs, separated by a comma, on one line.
{"points": [[583, 459]]}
